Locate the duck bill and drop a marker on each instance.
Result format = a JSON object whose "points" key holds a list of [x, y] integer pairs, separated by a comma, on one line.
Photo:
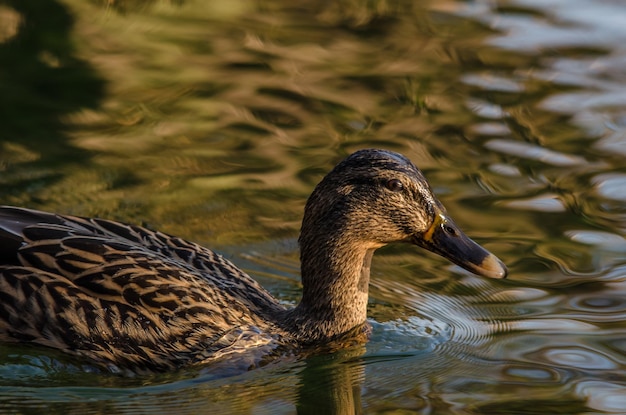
{"points": [[446, 239]]}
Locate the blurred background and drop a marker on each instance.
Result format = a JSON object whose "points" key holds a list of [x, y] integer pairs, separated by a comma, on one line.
{"points": [[214, 120]]}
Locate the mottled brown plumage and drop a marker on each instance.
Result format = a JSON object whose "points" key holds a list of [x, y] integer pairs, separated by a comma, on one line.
{"points": [[132, 299]]}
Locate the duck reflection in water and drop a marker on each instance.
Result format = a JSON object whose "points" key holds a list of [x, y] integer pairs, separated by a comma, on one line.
{"points": [[134, 300]]}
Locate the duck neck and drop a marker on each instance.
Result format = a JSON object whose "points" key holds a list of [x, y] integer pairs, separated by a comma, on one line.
{"points": [[335, 280]]}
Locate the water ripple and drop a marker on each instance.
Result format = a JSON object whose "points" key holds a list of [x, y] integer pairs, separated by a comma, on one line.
{"points": [[553, 325], [543, 203], [613, 143], [600, 306], [606, 240], [534, 152], [410, 335], [532, 374], [491, 82], [576, 357], [611, 186], [603, 396]]}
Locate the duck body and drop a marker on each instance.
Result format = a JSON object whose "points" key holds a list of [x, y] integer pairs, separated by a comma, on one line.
{"points": [[132, 299], [124, 296]]}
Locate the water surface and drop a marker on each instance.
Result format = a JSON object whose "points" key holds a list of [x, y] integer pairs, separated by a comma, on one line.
{"points": [[214, 120]]}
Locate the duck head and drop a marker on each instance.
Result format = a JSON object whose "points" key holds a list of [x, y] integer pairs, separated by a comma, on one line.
{"points": [[375, 197]]}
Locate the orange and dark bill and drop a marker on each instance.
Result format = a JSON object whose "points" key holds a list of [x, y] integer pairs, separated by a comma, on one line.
{"points": [[446, 239]]}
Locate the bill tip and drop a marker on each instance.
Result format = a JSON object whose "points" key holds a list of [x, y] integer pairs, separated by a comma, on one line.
{"points": [[492, 267]]}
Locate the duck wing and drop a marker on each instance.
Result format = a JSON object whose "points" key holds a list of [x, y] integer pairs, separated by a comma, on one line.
{"points": [[122, 295]]}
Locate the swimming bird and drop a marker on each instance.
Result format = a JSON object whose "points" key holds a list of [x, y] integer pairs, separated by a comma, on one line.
{"points": [[128, 298]]}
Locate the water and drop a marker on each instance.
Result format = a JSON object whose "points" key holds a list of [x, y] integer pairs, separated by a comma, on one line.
{"points": [[214, 120]]}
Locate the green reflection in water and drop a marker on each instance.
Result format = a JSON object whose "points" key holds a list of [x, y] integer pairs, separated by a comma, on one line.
{"points": [[214, 120], [42, 79]]}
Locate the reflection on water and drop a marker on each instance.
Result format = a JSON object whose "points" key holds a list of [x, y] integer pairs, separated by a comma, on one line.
{"points": [[213, 121]]}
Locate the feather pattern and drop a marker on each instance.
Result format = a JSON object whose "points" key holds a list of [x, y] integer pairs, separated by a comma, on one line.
{"points": [[123, 295], [132, 299]]}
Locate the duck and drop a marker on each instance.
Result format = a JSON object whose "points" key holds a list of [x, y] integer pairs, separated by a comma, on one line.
{"points": [[124, 297]]}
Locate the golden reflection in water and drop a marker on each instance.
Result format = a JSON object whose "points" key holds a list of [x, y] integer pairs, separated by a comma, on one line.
{"points": [[214, 120], [193, 119], [10, 20]]}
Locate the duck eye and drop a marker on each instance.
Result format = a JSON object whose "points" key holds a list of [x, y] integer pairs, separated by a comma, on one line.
{"points": [[394, 185], [449, 230]]}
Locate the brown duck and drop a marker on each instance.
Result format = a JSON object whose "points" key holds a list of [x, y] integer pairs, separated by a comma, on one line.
{"points": [[128, 298]]}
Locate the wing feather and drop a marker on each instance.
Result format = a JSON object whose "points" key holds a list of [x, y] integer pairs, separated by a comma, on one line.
{"points": [[120, 294]]}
